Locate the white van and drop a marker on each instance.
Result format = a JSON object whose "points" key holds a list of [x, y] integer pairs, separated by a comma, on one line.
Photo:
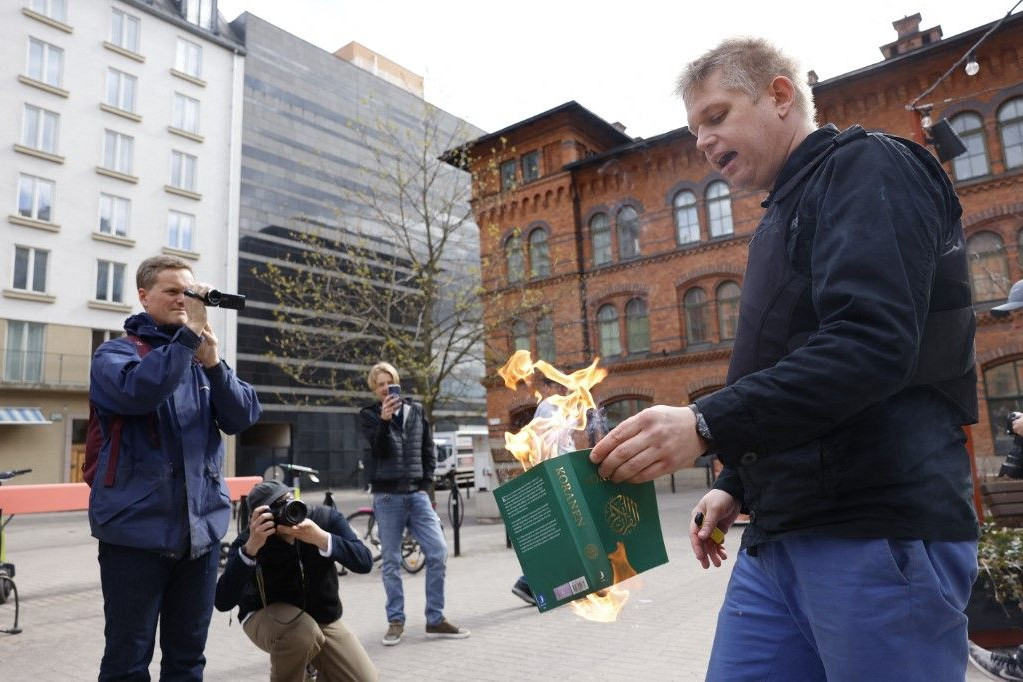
{"points": [[459, 453]]}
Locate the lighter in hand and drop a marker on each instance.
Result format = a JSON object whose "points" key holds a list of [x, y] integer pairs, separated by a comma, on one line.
{"points": [[716, 535]]}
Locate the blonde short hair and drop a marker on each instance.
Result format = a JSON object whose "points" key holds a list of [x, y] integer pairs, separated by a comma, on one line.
{"points": [[150, 269], [747, 65], [377, 369]]}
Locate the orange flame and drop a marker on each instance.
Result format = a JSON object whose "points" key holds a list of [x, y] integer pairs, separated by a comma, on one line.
{"points": [[548, 436], [551, 435], [604, 606]]}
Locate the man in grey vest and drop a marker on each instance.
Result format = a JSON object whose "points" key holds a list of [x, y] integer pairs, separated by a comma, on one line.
{"points": [[400, 471]]}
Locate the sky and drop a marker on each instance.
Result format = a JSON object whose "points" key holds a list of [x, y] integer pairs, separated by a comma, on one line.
{"points": [[494, 64]]}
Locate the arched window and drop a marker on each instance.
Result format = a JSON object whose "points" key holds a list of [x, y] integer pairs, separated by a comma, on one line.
{"points": [[539, 259], [1004, 395], [545, 349], [728, 309], [637, 326], [513, 255], [719, 209], [618, 411], [1019, 246], [600, 238], [520, 335], [628, 233], [694, 304], [1010, 128], [989, 267], [972, 163], [607, 324], [687, 218]]}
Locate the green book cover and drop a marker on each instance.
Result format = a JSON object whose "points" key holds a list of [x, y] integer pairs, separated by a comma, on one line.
{"points": [[564, 521]]}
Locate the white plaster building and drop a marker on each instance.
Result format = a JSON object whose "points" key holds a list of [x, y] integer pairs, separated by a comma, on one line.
{"points": [[122, 123]]}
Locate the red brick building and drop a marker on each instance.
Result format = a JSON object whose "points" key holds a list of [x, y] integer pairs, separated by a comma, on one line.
{"points": [[633, 250]]}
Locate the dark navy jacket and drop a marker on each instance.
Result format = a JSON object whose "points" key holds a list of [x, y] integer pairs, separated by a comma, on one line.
{"points": [[313, 587], [822, 425], [168, 495], [401, 459]]}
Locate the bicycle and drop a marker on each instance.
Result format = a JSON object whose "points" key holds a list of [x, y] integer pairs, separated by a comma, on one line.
{"points": [[364, 524], [8, 588]]}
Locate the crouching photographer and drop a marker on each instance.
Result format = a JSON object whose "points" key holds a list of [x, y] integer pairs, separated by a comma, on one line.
{"points": [[281, 575]]}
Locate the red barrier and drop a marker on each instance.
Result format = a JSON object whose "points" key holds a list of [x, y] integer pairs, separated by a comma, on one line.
{"points": [[56, 497]]}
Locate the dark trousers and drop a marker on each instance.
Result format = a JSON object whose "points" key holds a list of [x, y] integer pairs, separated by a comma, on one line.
{"points": [[141, 588]]}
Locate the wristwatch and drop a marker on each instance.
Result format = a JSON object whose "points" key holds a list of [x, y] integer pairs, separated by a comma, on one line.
{"points": [[701, 424]]}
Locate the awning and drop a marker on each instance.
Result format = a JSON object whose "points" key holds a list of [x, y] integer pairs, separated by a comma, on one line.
{"points": [[22, 415]]}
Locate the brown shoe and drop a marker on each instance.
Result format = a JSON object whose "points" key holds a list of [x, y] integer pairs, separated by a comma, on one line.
{"points": [[394, 632], [446, 630]]}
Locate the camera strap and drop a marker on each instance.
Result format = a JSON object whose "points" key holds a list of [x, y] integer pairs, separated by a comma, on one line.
{"points": [[261, 586]]}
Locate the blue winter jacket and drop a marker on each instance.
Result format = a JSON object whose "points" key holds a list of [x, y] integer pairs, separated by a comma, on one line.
{"points": [[168, 493]]}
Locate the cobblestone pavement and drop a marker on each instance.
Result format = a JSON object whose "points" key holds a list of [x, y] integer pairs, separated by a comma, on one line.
{"points": [[664, 632]]}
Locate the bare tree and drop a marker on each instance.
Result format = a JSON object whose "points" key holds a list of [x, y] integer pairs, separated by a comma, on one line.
{"points": [[398, 277]]}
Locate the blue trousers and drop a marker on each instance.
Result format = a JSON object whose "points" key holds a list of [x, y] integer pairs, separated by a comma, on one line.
{"points": [[142, 587], [394, 512], [846, 610]]}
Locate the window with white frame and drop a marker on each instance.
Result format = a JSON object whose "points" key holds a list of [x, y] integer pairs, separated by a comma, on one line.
{"points": [[199, 12], [719, 209], [35, 198], [1010, 128], [188, 59], [607, 328], [121, 89], [181, 231], [124, 30], [114, 215], [183, 170], [45, 63], [973, 162], [40, 129], [117, 152], [687, 220], [24, 357], [54, 9], [109, 281], [186, 113], [29, 269]]}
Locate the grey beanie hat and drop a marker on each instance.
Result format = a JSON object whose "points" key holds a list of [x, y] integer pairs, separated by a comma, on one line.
{"points": [[266, 492]]}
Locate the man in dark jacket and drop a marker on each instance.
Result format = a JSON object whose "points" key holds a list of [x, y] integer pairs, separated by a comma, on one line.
{"points": [[159, 504], [400, 470], [851, 376], [284, 582]]}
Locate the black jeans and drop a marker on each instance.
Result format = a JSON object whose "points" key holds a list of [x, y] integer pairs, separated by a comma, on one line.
{"points": [[142, 587]]}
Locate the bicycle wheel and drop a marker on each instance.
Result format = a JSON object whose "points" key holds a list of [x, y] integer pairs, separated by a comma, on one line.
{"points": [[9, 606], [412, 557], [364, 526], [455, 494]]}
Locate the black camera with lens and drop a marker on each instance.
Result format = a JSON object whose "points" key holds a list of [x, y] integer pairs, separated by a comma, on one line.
{"points": [[289, 512], [1012, 467], [218, 299]]}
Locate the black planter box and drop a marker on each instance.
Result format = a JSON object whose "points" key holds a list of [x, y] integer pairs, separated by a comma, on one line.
{"points": [[993, 625]]}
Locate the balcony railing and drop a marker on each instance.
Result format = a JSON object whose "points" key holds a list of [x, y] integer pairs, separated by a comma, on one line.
{"points": [[30, 368]]}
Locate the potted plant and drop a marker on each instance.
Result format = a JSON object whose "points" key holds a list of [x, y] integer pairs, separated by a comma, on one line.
{"points": [[995, 609]]}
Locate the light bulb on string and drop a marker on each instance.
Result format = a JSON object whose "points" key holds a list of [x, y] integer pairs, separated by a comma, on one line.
{"points": [[972, 67]]}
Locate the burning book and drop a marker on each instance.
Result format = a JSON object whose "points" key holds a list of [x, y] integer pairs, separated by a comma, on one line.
{"points": [[576, 536]]}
